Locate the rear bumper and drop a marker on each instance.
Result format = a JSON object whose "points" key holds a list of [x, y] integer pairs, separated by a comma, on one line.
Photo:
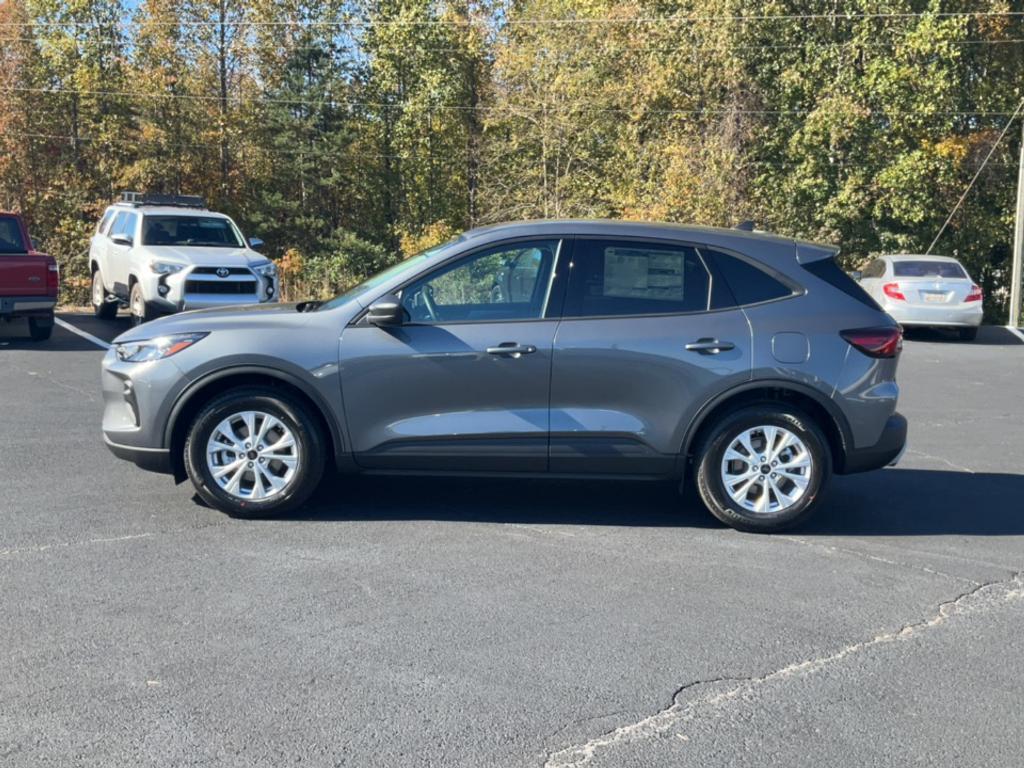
{"points": [[957, 316], [24, 306], [884, 453], [151, 459]]}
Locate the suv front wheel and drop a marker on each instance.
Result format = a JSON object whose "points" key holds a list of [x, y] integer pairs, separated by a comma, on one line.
{"points": [[763, 468], [254, 452]]}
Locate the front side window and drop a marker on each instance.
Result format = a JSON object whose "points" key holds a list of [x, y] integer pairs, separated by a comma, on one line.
{"points": [[10, 236], [508, 282], [124, 224], [612, 278], [102, 226], [190, 230]]}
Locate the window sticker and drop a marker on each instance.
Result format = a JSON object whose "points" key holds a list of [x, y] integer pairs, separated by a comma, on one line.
{"points": [[641, 274]]}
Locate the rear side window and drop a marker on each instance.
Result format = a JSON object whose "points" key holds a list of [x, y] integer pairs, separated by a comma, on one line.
{"points": [[10, 236], [926, 268], [615, 278], [875, 269], [829, 271], [748, 284]]}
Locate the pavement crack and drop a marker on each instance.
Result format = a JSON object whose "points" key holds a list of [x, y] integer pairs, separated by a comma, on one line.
{"points": [[36, 548], [878, 559], [941, 460], [981, 597]]}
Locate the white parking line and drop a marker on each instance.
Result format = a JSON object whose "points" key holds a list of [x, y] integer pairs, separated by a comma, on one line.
{"points": [[87, 336], [1016, 332]]}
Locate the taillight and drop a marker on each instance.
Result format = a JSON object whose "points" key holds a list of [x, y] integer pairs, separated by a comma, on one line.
{"points": [[975, 294], [892, 290], [876, 342], [52, 278]]}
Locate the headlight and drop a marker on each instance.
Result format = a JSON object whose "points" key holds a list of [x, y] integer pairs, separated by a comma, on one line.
{"points": [[266, 269], [156, 349], [165, 267]]}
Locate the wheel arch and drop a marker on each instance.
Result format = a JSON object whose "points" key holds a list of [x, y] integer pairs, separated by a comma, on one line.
{"points": [[198, 393], [826, 414]]}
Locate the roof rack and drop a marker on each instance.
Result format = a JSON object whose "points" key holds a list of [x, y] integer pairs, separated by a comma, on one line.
{"points": [[174, 201]]}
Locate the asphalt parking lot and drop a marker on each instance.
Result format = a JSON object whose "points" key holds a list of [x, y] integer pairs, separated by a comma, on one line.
{"points": [[483, 623]]}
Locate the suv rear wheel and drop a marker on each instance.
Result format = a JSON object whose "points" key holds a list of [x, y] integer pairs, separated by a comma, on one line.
{"points": [[763, 468], [254, 452], [103, 309]]}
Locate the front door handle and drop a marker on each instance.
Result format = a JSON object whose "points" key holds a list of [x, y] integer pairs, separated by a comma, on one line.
{"points": [[511, 349], [710, 346]]}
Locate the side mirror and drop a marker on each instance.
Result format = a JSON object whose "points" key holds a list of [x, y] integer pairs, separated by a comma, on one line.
{"points": [[255, 243], [122, 239], [857, 275], [387, 310]]}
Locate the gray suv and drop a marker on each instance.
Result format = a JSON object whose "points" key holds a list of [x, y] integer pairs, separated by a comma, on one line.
{"points": [[747, 363]]}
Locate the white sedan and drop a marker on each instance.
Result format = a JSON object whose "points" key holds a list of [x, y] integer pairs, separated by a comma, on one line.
{"points": [[933, 291]]}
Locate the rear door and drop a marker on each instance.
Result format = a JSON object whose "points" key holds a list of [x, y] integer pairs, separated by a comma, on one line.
{"points": [[463, 384], [21, 274], [637, 353]]}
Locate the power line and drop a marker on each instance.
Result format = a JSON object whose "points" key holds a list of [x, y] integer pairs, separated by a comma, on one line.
{"points": [[481, 107], [976, 175], [469, 21]]}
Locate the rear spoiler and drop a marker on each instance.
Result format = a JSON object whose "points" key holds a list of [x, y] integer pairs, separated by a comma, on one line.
{"points": [[810, 252]]}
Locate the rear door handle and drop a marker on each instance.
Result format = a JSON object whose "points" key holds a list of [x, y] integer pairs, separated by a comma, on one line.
{"points": [[511, 349], [710, 346]]}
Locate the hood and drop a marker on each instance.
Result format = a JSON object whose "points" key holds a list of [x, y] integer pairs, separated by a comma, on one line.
{"points": [[247, 316], [204, 255]]}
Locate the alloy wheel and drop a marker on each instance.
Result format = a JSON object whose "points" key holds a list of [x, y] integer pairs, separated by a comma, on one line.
{"points": [[766, 469], [252, 456]]}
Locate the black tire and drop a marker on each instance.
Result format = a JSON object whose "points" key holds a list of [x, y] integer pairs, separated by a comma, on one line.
{"points": [[40, 329], [104, 310], [294, 415], [968, 334], [711, 450], [141, 310]]}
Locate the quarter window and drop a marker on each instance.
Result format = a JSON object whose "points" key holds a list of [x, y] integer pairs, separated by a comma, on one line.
{"points": [[748, 284], [635, 278], [509, 282]]}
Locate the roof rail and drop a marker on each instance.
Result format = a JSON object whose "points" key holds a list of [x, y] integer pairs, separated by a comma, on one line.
{"points": [[151, 198]]}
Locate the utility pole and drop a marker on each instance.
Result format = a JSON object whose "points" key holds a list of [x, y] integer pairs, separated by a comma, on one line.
{"points": [[1018, 242]]}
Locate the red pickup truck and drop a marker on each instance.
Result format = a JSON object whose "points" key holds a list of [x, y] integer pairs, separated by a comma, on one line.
{"points": [[28, 279]]}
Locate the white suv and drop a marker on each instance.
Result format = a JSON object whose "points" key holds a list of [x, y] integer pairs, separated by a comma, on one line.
{"points": [[167, 253]]}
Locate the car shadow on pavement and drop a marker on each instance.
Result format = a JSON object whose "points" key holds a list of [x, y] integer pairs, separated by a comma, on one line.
{"points": [[988, 335], [890, 502], [504, 500]]}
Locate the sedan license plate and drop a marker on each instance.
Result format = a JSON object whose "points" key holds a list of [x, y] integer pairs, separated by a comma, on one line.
{"points": [[935, 298]]}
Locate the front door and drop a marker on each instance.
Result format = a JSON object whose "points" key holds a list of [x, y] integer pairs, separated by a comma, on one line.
{"points": [[637, 353], [463, 384]]}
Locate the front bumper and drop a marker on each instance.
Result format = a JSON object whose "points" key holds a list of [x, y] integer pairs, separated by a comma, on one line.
{"points": [[151, 459], [886, 452], [135, 403], [955, 316], [190, 289]]}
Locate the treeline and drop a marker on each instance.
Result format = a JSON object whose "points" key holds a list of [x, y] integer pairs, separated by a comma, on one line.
{"points": [[346, 133]]}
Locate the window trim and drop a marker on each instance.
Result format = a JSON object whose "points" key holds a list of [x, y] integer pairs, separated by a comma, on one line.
{"points": [[561, 240]]}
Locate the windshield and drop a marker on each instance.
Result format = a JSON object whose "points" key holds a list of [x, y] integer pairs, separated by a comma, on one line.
{"points": [[190, 230], [382, 277], [924, 268], [10, 236]]}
